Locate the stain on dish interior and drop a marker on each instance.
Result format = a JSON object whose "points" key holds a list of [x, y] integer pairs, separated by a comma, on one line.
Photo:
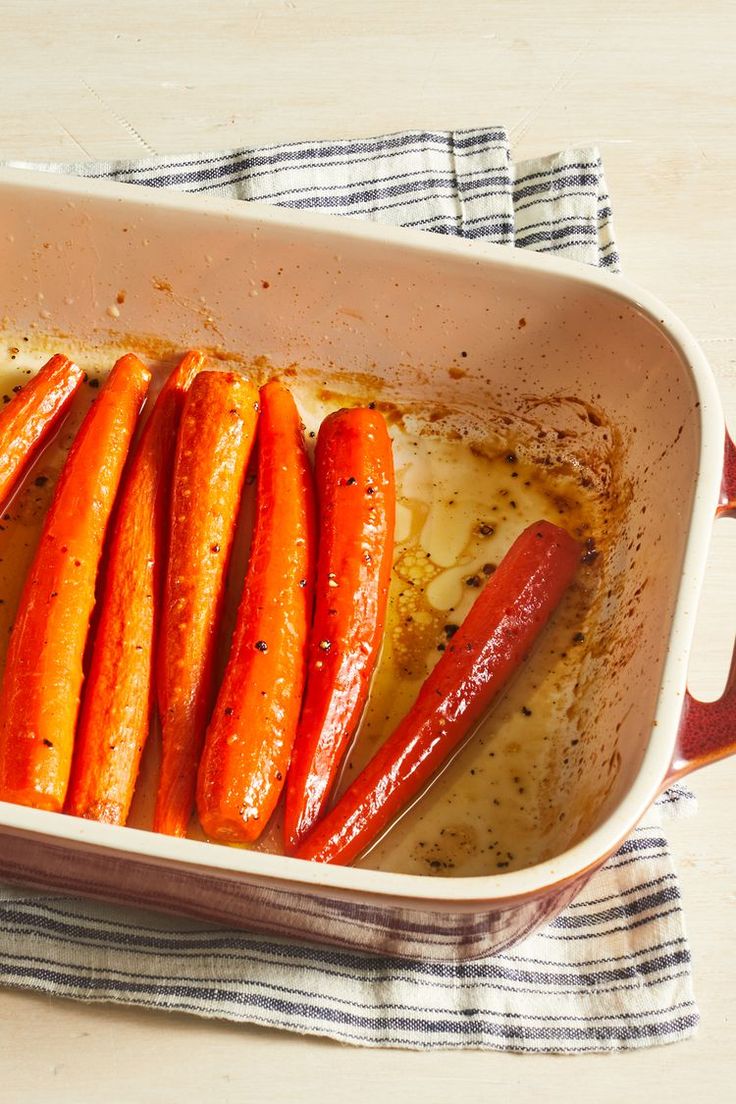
{"points": [[527, 784]]}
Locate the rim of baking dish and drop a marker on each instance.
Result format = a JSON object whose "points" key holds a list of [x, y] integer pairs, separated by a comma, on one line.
{"points": [[416, 890]]}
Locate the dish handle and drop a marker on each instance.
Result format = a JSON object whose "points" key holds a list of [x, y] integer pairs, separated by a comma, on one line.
{"points": [[708, 729]]}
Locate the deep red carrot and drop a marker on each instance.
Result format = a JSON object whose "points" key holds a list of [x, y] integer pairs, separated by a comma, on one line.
{"points": [[116, 705], [356, 500], [251, 733], [213, 447], [39, 701], [32, 416], [487, 650]]}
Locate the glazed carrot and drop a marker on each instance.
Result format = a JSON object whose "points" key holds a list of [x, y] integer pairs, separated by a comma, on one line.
{"points": [[356, 501], [481, 657], [39, 700], [251, 733], [31, 417], [213, 447], [116, 705]]}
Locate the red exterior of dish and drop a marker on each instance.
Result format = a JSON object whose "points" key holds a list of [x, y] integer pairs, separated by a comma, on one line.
{"points": [[708, 729], [423, 933]]}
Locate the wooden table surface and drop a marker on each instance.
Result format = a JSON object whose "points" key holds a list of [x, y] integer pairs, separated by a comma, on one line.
{"points": [[654, 86]]}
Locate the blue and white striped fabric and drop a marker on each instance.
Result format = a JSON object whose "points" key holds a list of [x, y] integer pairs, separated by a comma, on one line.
{"points": [[613, 971], [449, 182]]}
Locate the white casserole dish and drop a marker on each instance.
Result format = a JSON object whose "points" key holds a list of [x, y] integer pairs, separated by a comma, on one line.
{"points": [[365, 305]]}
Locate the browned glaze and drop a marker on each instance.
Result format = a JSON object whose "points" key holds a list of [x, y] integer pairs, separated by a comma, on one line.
{"points": [[529, 782]]}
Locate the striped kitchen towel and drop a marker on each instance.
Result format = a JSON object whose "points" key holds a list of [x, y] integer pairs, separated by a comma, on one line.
{"points": [[613, 971]]}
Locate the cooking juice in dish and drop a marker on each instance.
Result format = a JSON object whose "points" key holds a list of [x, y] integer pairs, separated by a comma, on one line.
{"points": [[504, 801]]}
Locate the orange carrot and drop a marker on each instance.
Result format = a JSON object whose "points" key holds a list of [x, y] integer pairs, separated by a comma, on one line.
{"points": [[250, 736], [30, 418], [39, 700], [356, 498], [490, 646], [116, 705], [214, 445]]}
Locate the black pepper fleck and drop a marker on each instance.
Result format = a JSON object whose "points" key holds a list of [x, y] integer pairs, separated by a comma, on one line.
{"points": [[591, 552], [261, 646]]}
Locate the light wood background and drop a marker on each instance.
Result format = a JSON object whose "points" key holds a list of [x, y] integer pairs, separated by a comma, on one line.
{"points": [[654, 85]]}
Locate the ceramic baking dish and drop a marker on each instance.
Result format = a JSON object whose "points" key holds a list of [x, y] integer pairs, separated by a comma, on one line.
{"points": [[585, 372]]}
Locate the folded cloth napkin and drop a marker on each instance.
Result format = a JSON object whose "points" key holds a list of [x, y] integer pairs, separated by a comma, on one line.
{"points": [[613, 971]]}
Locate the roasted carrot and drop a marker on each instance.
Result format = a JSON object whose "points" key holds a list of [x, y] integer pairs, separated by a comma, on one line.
{"points": [[356, 501], [31, 417], [39, 700], [481, 657], [116, 704], [213, 447], [251, 733]]}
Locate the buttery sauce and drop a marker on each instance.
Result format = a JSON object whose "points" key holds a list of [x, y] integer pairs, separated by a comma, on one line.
{"points": [[511, 796]]}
